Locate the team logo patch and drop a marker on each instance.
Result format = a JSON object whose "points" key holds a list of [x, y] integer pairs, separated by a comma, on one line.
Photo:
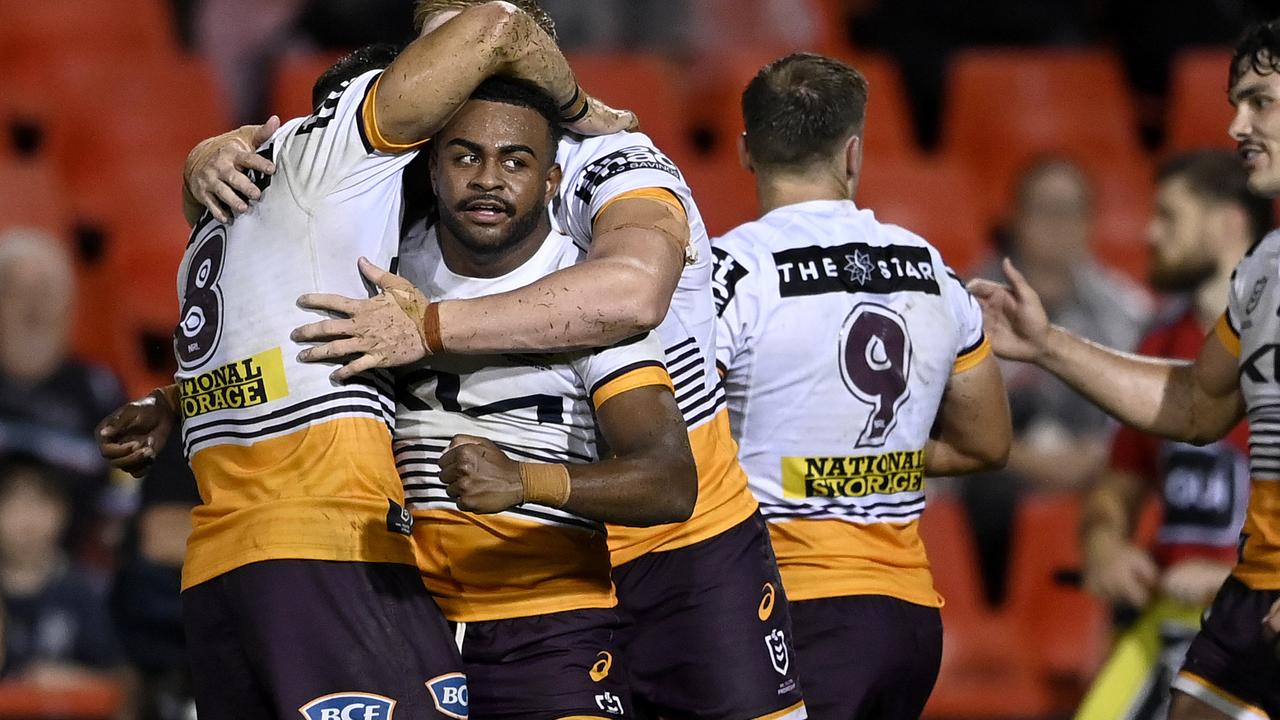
{"points": [[600, 670], [449, 693], [349, 706], [766, 603], [240, 384], [779, 655]]}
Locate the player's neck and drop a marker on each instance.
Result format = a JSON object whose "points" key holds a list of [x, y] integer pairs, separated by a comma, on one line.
{"points": [[775, 191], [468, 262]]}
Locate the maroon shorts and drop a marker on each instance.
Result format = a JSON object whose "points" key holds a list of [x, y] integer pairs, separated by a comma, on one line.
{"points": [[708, 633], [544, 667], [867, 656], [1230, 665], [277, 638]]}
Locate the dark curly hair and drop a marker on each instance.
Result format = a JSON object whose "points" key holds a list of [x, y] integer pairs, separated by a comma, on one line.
{"points": [[1257, 50]]}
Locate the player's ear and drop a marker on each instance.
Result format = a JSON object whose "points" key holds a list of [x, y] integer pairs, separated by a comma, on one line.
{"points": [[744, 155], [853, 155], [554, 175]]}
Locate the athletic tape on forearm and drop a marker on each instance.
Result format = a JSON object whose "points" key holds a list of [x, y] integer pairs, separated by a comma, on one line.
{"points": [[545, 484], [431, 329]]}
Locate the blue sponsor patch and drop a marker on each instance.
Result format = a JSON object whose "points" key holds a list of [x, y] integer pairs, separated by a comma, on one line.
{"points": [[349, 706], [449, 692]]}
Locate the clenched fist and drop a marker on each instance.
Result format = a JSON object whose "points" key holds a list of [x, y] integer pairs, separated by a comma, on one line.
{"points": [[480, 476]]}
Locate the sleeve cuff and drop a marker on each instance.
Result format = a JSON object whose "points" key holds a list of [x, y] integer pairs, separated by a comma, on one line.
{"points": [[661, 195], [1228, 335], [369, 125], [630, 378], [973, 355]]}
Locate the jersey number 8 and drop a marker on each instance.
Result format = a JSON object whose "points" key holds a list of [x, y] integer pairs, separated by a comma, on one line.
{"points": [[200, 328]]}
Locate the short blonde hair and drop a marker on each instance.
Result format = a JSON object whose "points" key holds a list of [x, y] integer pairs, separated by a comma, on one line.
{"points": [[426, 8]]}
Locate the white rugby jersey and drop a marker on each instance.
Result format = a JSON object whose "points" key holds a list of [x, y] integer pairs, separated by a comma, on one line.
{"points": [[597, 172], [1250, 328], [289, 464], [529, 560], [837, 336]]}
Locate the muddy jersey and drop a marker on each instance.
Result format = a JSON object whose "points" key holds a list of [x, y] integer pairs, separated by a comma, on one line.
{"points": [[289, 464], [597, 172], [530, 560], [837, 337]]}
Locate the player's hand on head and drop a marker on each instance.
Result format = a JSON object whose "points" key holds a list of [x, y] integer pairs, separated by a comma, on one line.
{"points": [[383, 331], [480, 476], [217, 172], [1121, 573], [1012, 316], [601, 119], [132, 436]]}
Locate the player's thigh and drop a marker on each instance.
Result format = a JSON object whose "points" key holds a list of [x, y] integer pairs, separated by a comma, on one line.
{"points": [[866, 655], [1229, 665], [364, 639], [223, 684], [545, 667], [709, 630]]}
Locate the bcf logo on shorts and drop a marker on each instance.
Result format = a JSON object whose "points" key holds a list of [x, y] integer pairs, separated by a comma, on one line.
{"points": [[776, 642], [349, 706], [449, 693]]}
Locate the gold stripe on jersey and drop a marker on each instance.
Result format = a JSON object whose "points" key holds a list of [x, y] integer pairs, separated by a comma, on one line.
{"points": [[723, 498], [490, 567], [1227, 335], [662, 195], [244, 383], [853, 476], [1259, 565], [970, 359], [834, 558], [369, 120], [323, 492], [630, 379]]}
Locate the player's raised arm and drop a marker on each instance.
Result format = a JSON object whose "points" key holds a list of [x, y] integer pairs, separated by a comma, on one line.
{"points": [[1195, 402], [649, 480]]}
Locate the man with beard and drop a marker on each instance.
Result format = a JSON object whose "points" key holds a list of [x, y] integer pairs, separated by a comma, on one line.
{"points": [[1232, 668], [1205, 220], [501, 455]]}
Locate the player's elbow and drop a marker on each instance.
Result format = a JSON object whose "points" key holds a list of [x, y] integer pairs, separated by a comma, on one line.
{"points": [[993, 454], [497, 25], [675, 489], [643, 305]]}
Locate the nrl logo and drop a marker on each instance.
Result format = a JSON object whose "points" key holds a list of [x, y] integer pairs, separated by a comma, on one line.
{"points": [[776, 642]]}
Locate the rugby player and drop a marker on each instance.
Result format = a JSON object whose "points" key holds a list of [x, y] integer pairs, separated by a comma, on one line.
{"points": [[1232, 668], [844, 342], [516, 435], [709, 633], [1205, 219], [299, 590]]}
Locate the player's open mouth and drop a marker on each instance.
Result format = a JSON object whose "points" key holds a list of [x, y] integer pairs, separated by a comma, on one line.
{"points": [[1252, 154], [486, 211]]}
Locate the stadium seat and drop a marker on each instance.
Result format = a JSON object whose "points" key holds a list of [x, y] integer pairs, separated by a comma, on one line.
{"points": [[31, 194], [49, 29], [648, 85], [1123, 196], [1065, 626], [83, 700], [295, 74], [724, 191], [987, 668], [934, 199], [144, 314], [720, 80], [1198, 113], [1006, 106]]}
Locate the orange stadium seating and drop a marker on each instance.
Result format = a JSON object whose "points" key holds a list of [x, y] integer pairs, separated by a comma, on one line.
{"points": [[144, 312], [1005, 107], [935, 199], [294, 76], [31, 194], [648, 85], [724, 190], [50, 29], [1198, 112]]}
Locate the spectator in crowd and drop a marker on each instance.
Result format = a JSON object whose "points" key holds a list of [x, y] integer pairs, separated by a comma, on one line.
{"points": [[56, 629], [1060, 438], [49, 401]]}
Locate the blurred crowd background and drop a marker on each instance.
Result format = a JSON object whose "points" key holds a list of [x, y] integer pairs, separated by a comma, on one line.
{"points": [[1027, 128]]}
